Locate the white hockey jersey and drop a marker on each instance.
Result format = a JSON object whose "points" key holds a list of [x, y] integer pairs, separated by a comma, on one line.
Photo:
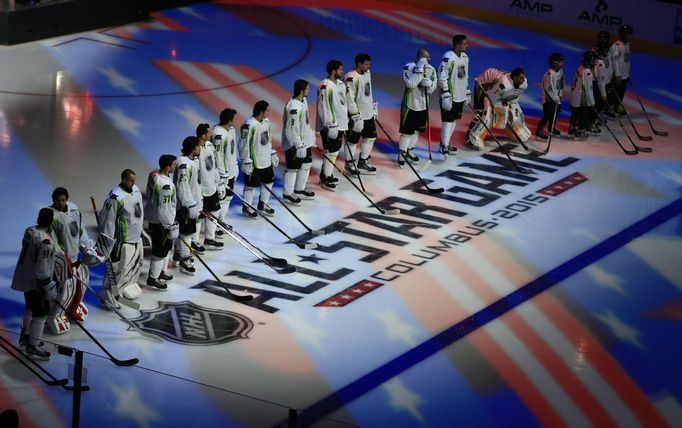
{"points": [[603, 74], [297, 131], [122, 215], [255, 142], [453, 75], [331, 105], [360, 94], [414, 96], [619, 53], [69, 231], [498, 86], [161, 201], [35, 266], [210, 176], [553, 86], [225, 145], [582, 94], [187, 186]]}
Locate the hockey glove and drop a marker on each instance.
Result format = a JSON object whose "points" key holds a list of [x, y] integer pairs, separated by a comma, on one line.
{"points": [[274, 159], [222, 191], [332, 132], [301, 151], [425, 82], [194, 211], [247, 167], [173, 231], [50, 291], [446, 101], [358, 123], [421, 64]]}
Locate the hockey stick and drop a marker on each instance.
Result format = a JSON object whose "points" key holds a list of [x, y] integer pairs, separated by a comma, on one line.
{"points": [[235, 297], [640, 136], [393, 211], [110, 305], [654, 130], [620, 122], [551, 131], [421, 180], [428, 132], [603, 122], [109, 271], [314, 232], [305, 246], [52, 381], [276, 264], [506, 153], [116, 361], [357, 173]]}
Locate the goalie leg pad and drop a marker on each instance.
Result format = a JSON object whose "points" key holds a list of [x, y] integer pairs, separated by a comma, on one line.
{"points": [[129, 270]]}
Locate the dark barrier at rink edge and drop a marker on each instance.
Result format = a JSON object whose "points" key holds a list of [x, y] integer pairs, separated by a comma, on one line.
{"points": [[658, 22]]}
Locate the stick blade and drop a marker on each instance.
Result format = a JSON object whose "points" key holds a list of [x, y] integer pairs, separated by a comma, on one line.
{"points": [[437, 190], [645, 137], [661, 133], [126, 363], [645, 149], [276, 261], [286, 270], [394, 211], [241, 298]]}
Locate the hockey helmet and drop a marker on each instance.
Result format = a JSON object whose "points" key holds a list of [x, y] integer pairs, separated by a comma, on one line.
{"points": [[555, 58], [626, 30], [589, 57]]}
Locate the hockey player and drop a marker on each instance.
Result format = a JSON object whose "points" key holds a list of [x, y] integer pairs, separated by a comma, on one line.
{"points": [[604, 95], [297, 140], [331, 120], [121, 218], [552, 89], [501, 107], [258, 159], [189, 201], [453, 81], [620, 58], [160, 209], [582, 98], [33, 276], [72, 237], [362, 109], [212, 189], [225, 145], [420, 82]]}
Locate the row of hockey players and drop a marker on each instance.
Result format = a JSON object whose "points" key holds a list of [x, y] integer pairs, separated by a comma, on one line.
{"points": [[599, 87]]}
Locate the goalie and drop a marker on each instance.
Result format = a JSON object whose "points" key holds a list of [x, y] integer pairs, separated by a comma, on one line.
{"points": [[501, 109]]}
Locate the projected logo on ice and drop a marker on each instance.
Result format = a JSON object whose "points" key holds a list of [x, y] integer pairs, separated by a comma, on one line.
{"points": [[190, 324]]}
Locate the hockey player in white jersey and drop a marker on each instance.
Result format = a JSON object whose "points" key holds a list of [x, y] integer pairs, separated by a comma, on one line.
{"points": [[619, 54], [121, 218], [297, 140], [453, 81], [604, 95], [159, 210], [33, 276], [419, 78], [225, 145], [212, 189], [501, 106], [258, 159], [331, 120], [72, 237], [189, 200], [362, 109], [552, 90], [582, 99]]}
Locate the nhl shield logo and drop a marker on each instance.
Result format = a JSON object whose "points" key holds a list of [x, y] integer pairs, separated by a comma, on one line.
{"points": [[190, 324]]}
